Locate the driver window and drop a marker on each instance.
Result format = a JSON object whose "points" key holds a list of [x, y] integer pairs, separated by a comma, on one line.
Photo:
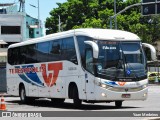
{"points": [[89, 61]]}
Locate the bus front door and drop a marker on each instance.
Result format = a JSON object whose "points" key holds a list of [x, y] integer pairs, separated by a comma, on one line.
{"points": [[89, 75]]}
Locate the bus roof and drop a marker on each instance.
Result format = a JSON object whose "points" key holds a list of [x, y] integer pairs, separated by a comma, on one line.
{"points": [[102, 34]]}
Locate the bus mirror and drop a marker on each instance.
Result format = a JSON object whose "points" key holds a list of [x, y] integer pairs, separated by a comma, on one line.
{"points": [[152, 49], [94, 47]]}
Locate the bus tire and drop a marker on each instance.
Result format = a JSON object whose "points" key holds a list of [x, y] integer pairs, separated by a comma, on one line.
{"points": [[76, 101], [22, 94], [118, 104], [58, 101]]}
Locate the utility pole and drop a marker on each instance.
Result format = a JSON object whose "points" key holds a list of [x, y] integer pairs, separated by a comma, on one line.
{"points": [[39, 24], [22, 6], [115, 18], [38, 17]]}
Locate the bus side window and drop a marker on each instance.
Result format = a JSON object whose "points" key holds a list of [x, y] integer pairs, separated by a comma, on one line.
{"points": [[15, 55], [31, 54], [68, 50], [10, 56], [55, 50], [42, 51]]}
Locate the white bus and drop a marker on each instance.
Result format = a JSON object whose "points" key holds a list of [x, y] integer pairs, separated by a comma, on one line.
{"points": [[86, 65]]}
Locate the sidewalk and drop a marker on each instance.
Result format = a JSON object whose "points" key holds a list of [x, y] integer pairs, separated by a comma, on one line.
{"points": [[154, 84], [4, 94]]}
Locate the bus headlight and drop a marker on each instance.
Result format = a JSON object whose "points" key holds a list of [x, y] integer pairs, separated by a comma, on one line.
{"points": [[145, 95], [104, 94], [104, 86], [144, 86]]}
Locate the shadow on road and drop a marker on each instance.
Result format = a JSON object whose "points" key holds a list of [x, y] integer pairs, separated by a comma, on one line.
{"points": [[66, 105]]}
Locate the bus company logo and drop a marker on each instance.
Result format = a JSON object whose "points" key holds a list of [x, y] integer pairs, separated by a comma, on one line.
{"points": [[121, 83], [53, 69], [28, 73]]}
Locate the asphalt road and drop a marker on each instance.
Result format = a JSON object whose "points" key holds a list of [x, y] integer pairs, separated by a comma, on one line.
{"points": [[151, 104]]}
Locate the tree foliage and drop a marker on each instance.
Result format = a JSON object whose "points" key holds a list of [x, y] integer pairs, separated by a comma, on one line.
{"points": [[96, 14]]}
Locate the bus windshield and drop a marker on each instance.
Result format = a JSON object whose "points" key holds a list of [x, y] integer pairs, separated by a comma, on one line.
{"points": [[121, 61]]}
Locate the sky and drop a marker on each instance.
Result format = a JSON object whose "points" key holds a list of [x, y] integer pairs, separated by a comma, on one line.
{"points": [[45, 7]]}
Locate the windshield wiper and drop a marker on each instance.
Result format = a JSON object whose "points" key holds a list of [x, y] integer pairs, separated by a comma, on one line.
{"points": [[130, 66], [125, 62]]}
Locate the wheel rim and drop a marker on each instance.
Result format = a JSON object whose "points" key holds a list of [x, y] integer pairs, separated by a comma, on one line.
{"points": [[22, 94]]}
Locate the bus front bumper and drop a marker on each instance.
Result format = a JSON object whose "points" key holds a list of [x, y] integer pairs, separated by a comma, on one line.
{"points": [[114, 94]]}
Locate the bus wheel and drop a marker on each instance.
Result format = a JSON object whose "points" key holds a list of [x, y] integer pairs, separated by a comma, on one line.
{"points": [[57, 101], [23, 96], [118, 104], [76, 101]]}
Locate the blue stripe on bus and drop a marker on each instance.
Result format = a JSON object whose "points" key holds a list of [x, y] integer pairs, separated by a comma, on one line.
{"points": [[111, 83], [33, 75], [23, 77]]}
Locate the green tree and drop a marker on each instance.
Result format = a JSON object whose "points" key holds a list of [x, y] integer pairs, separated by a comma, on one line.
{"points": [[96, 14]]}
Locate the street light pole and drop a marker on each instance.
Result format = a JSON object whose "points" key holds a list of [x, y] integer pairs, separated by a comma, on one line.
{"points": [[128, 7], [59, 23], [39, 25], [110, 22]]}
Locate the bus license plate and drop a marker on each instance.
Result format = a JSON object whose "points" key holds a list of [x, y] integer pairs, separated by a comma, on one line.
{"points": [[126, 95]]}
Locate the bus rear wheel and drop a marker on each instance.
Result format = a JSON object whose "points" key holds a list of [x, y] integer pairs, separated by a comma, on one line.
{"points": [[76, 101], [22, 94], [118, 104]]}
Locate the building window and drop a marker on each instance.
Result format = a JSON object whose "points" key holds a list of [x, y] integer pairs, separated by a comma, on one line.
{"points": [[37, 32], [3, 11], [10, 29], [31, 33]]}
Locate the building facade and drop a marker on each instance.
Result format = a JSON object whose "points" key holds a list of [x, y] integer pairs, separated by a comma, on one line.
{"points": [[15, 27]]}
